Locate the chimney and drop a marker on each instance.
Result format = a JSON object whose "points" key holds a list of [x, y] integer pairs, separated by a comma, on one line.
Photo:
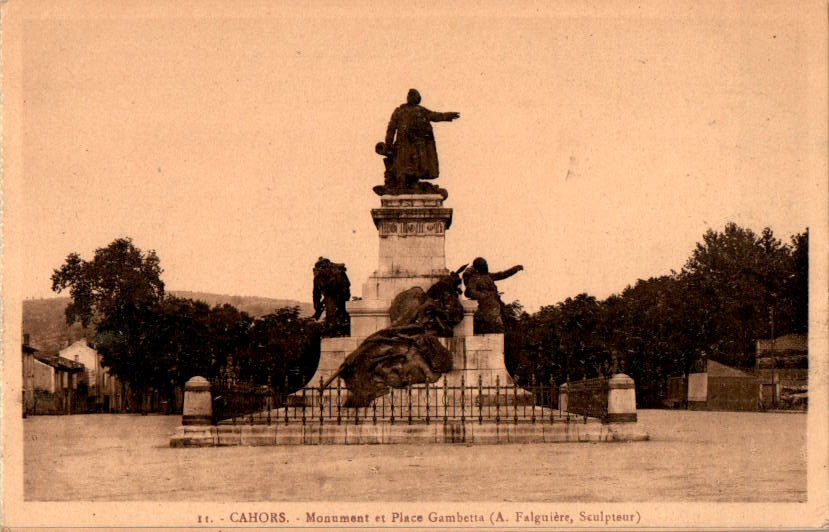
{"points": [[26, 339]]}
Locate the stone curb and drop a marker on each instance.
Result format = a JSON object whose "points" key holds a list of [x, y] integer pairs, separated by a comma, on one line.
{"points": [[387, 434]]}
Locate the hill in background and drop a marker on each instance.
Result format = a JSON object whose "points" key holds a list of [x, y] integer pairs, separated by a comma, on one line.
{"points": [[253, 305], [44, 319]]}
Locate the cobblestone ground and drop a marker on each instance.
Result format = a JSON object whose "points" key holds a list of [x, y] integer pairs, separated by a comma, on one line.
{"points": [[693, 456]]}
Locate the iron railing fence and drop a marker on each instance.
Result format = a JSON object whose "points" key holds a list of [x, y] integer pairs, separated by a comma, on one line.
{"points": [[588, 398], [242, 401], [422, 403]]}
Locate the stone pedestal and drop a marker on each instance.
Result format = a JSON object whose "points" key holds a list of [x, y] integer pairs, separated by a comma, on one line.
{"points": [[198, 403], [562, 398], [412, 229], [478, 356], [472, 356], [621, 399]]}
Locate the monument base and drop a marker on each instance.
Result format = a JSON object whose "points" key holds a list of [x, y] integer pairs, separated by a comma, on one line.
{"points": [[473, 358], [470, 432]]}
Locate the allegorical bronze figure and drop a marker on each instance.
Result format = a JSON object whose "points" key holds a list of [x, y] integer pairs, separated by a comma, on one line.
{"points": [[408, 351], [409, 150], [332, 290], [480, 286]]}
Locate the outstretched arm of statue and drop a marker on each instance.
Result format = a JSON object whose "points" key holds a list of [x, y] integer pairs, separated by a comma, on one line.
{"points": [[497, 276], [443, 117]]}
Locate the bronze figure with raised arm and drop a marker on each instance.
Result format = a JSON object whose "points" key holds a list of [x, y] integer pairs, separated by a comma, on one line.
{"points": [[480, 286]]}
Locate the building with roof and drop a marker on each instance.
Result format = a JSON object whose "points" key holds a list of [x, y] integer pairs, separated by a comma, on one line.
{"points": [[721, 387], [104, 391], [783, 370], [51, 384]]}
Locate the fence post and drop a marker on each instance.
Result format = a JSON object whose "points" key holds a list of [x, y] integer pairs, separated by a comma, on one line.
{"points": [[445, 402], [552, 391], [541, 392], [427, 402], [253, 394], [303, 406], [410, 403], [339, 403], [463, 399], [322, 402], [514, 403], [480, 400], [497, 399], [270, 396], [285, 399], [374, 412], [417, 412], [391, 406]]}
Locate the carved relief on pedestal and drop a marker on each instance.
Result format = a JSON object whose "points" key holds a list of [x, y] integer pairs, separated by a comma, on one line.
{"points": [[403, 228]]}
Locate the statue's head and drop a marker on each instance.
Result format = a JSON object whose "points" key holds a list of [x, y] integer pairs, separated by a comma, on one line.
{"points": [[321, 264], [413, 97], [480, 265]]}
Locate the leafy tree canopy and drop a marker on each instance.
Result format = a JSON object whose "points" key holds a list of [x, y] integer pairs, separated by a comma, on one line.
{"points": [[717, 307], [119, 279]]}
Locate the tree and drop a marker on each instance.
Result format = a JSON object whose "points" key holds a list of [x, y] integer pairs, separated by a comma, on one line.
{"points": [[230, 332], [148, 339], [739, 276], [582, 336], [118, 279], [717, 307], [285, 347], [796, 293], [179, 341], [116, 291]]}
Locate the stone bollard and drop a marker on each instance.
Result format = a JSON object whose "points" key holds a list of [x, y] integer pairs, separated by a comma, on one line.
{"points": [[198, 402], [621, 400], [562, 398]]}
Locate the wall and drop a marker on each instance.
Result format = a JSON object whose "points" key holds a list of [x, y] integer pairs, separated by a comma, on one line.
{"points": [[677, 392], [43, 376], [697, 387], [733, 393], [28, 373], [46, 403], [785, 376]]}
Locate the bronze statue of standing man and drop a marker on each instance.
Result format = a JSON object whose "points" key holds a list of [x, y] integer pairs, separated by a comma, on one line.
{"points": [[410, 142]]}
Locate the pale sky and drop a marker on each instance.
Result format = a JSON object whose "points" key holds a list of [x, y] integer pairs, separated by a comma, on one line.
{"points": [[593, 149]]}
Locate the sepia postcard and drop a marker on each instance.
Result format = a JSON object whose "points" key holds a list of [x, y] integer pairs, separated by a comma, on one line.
{"points": [[413, 265]]}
